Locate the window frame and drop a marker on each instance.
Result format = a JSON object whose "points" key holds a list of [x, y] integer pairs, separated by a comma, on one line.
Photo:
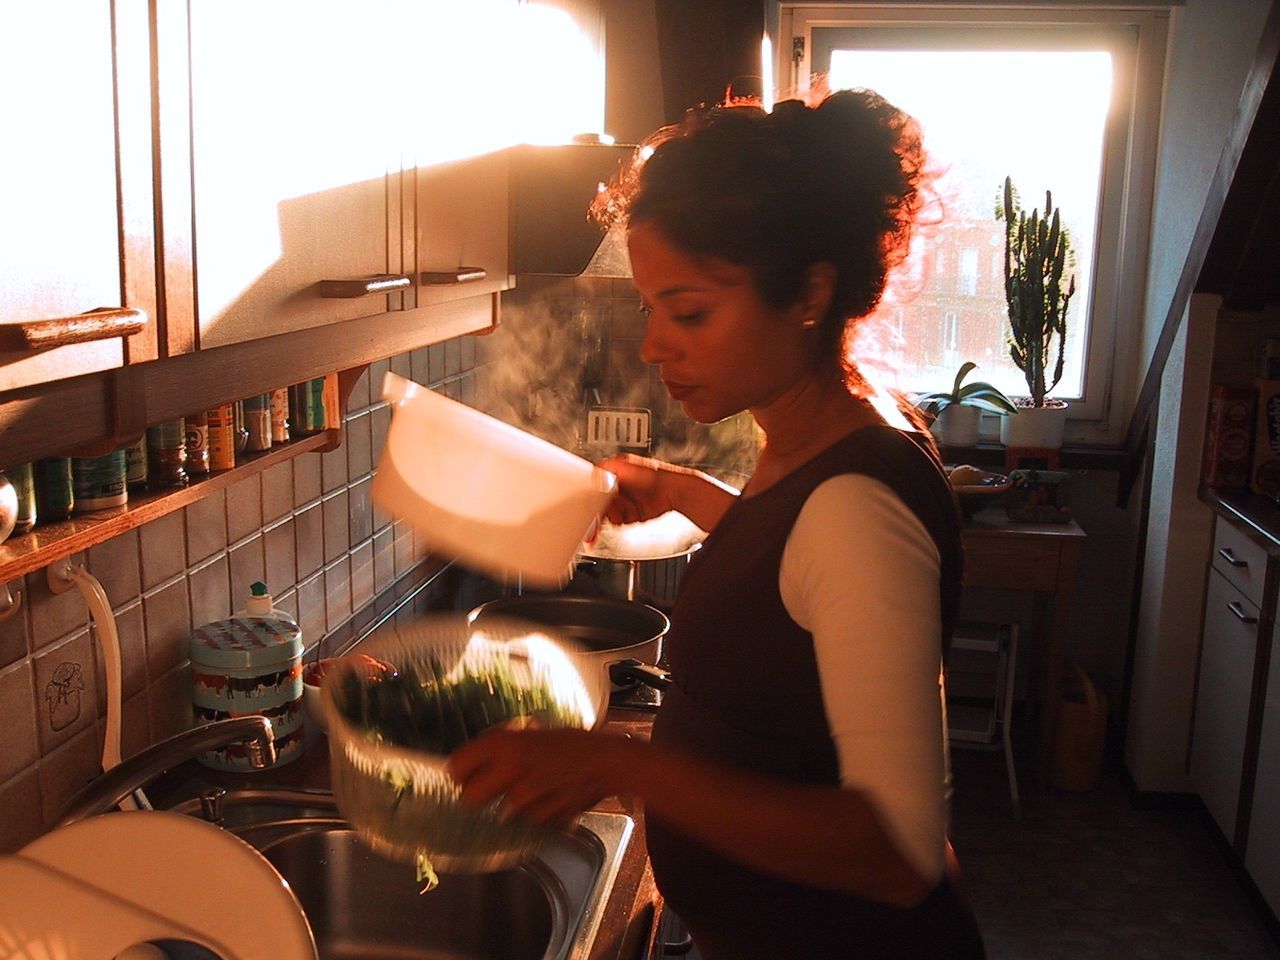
{"points": [[1122, 239]]}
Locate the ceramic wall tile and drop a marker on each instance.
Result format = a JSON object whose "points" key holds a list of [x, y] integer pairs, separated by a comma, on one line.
{"points": [[66, 691], [337, 593], [247, 565], [244, 508], [362, 579], [384, 559], [206, 527], [54, 615], [24, 818], [308, 526], [163, 549], [311, 612], [280, 551], [306, 479], [380, 423], [277, 491], [116, 564], [333, 467], [360, 511], [135, 725], [19, 742], [167, 614], [210, 592], [360, 395], [170, 703], [418, 366], [359, 444], [15, 628], [337, 526], [404, 549]]}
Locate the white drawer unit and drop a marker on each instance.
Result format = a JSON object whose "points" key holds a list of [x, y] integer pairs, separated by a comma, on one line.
{"points": [[1262, 854], [1240, 559], [1223, 691]]}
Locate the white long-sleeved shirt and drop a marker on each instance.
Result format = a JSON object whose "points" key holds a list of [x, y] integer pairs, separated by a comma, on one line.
{"points": [[860, 572]]}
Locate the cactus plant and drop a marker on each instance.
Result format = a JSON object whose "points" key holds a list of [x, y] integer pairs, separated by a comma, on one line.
{"points": [[1037, 253]]}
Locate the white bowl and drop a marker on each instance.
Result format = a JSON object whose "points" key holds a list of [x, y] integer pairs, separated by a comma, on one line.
{"points": [[500, 500]]}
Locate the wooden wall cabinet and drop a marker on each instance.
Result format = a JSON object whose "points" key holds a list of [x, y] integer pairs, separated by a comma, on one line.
{"points": [[76, 226], [245, 178]]}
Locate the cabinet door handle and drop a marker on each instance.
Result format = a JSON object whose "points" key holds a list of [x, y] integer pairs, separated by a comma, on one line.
{"points": [[1226, 554], [364, 286], [461, 275], [1235, 607], [102, 323]]}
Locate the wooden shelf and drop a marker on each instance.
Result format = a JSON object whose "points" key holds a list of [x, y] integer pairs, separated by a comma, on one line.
{"points": [[48, 543]]}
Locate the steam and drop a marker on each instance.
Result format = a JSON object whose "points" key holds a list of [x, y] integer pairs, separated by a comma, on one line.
{"points": [[548, 363]]}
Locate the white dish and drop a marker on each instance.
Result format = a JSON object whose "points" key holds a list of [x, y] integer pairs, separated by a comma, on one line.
{"points": [[500, 500], [98, 886]]}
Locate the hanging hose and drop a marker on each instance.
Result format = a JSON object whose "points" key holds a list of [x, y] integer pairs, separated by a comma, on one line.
{"points": [[62, 577]]}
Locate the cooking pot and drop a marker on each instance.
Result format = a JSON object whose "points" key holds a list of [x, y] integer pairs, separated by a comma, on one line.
{"points": [[612, 561], [620, 638]]}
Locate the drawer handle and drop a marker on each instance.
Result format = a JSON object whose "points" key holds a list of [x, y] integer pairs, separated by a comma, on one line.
{"points": [[1235, 607], [461, 275], [102, 323], [1226, 554], [364, 286]]}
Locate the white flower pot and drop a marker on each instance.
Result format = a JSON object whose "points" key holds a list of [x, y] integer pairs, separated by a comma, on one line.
{"points": [[958, 426], [1039, 428]]}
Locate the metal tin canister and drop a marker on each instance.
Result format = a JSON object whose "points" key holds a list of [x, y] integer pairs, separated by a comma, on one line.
{"points": [[249, 665]]}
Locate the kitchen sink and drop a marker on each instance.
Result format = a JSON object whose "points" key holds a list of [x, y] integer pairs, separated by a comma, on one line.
{"points": [[361, 904]]}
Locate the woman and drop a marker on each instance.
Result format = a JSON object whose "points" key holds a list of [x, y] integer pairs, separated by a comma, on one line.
{"points": [[795, 785]]}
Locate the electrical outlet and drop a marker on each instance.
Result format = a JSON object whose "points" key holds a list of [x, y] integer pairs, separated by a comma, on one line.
{"points": [[618, 426]]}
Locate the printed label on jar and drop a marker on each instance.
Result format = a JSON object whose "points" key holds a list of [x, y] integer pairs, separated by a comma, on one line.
{"points": [[99, 482]]}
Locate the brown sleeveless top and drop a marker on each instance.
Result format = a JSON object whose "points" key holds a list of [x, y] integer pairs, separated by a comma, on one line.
{"points": [[746, 691]]}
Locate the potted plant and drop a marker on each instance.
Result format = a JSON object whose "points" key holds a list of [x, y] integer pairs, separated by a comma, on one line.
{"points": [[958, 414], [1037, 255]]}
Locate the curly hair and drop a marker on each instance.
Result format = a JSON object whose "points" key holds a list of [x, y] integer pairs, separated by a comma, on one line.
{"points": [[836, 181]]}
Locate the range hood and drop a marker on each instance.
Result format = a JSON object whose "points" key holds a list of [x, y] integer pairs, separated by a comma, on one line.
{"points": [[551, 190]]}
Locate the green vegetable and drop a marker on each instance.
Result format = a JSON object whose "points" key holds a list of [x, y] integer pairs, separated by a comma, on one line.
{"points": [[426, 873], [422, 707]]}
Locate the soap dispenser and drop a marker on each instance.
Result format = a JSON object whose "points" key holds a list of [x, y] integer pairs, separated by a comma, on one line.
{"points": [[260, 604]]}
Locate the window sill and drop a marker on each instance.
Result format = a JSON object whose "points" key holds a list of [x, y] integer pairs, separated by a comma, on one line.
{"points": [[1072, 457]]}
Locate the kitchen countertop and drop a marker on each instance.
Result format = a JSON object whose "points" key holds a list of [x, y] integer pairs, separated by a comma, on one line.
{"points": [[627, 929], [1259, 514]]}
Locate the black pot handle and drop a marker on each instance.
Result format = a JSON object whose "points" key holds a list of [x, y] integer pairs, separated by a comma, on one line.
{"points": [[632, 670]]}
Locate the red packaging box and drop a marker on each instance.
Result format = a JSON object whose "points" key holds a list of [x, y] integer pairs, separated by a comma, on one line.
{"points": [[1228, 441]]}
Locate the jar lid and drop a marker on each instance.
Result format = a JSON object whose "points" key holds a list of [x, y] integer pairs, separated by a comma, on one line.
{"points": [[243, 642]]}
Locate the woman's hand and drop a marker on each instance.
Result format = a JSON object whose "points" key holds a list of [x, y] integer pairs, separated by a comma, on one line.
{"points": [[648, 488], [546, 776], [642, 491]]}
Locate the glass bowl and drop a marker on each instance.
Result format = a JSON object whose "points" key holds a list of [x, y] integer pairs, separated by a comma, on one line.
{"points": [[413, 692]]}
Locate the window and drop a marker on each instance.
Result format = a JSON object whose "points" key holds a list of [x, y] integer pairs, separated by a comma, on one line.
{"points": [[976, 80]]}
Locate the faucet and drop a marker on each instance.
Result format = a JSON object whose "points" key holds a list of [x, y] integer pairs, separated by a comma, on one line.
{"points": [[112, 787]]}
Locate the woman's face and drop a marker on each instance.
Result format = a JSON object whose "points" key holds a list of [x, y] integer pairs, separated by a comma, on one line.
{"points": [[720, 349]]}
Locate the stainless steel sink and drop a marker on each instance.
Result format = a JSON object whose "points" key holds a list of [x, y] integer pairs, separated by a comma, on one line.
{"points": [[363, 905]]}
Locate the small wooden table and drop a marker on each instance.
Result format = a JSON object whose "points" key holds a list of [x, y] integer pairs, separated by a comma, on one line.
{"points": [[1040, 558]]}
